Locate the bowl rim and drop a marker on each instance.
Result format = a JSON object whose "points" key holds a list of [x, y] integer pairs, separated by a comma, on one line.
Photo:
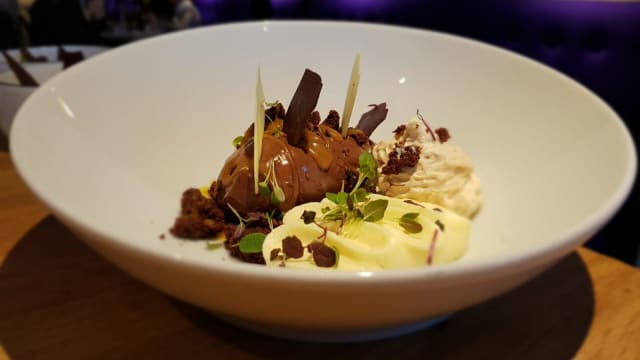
{"points": [[562, 244]]}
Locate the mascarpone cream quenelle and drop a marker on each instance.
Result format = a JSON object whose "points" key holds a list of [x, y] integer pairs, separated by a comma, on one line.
{"points": [[443, 174]]}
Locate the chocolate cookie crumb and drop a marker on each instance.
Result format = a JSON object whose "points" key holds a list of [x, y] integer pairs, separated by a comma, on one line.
{"points": [[399, 131], [443, 135], [199, 217], [400, 158], [332, 120]]}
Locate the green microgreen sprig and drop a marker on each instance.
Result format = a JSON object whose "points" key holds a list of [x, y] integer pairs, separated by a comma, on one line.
{"points": [[269, 187]]}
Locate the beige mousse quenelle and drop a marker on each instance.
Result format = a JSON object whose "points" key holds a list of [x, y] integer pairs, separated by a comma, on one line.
{"points": [[420, 164]]}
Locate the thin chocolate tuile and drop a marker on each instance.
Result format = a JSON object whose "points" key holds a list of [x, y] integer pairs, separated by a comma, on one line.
{"points": [[370, 120], [302, 104], [69, 58], [24, 78]]}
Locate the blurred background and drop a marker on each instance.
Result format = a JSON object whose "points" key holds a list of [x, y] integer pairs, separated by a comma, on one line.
{"points": [[595, 42]]}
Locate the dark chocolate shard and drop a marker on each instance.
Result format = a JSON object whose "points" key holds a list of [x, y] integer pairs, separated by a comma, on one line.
{"points": [[372, 118], [332, 120], [23, 76], [69, 58], [302, 104]]}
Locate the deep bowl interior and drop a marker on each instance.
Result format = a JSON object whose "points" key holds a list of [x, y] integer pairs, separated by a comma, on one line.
{"points": [[111, 143]]}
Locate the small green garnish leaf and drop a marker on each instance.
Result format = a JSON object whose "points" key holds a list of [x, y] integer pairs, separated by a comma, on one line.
{"points": [[237, 141], [410, 216], [308, 216], [349, 202], [375, 209], [440, 225], [264, 189], [338, 198], [252, 243], [409, 223], [212, 245], [279, 194], [360, 195], [367, 165]]}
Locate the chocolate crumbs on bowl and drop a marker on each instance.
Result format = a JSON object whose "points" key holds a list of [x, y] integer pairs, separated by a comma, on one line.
{"points": [[199, 218]]}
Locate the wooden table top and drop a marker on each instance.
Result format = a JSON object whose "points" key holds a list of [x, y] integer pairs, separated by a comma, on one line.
{"points": [[60, 300]]}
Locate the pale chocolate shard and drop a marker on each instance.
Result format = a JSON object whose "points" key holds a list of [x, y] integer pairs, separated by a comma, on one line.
{"points": [[23, 76], [302, 104], [370, 120]]}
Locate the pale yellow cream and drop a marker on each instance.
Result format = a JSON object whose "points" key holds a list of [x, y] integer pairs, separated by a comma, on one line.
{"points": [[384, 244]]}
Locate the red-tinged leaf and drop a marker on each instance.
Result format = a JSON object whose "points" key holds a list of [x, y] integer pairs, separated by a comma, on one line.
{"points": [[432, 246]]}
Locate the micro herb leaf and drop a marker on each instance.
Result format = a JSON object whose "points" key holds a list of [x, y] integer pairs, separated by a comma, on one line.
{"points": [[237, 141], [308, 216], [375, 209], [269, 217], [410, 216], [279, 194], [367, 165], [323, 255], [264, 189], [440, 225], [338, 198], [409, 223], [212, 245], [360, 195], [349, 202], [292, 247], [410, 226], [274, 199], [252, 243], [334, 214]]}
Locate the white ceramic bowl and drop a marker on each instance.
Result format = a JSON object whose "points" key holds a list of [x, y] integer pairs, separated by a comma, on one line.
{"points": [[12, 94], [111, 144]]}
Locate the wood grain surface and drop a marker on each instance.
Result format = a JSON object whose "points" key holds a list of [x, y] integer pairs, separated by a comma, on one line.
{"points": [[60, 300]]}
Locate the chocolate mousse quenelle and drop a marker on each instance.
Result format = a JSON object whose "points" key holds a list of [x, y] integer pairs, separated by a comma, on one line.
{"points": [[301, 158]]}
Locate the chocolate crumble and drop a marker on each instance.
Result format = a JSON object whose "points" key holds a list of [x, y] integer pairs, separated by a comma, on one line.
{"points": [[408, 156], [443, 135]]}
